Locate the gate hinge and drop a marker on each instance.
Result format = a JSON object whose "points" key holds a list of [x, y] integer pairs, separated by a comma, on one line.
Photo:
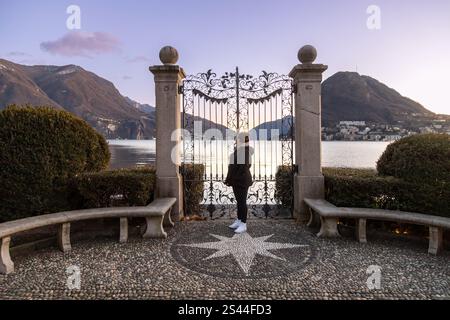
{"points": [[294, 88], [180, 89]]}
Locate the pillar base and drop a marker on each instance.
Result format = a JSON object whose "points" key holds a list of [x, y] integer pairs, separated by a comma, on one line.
{"points": [[306, 187], [171, 187]]}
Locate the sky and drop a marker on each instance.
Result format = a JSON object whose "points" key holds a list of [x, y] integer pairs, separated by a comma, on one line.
{"points": [[406, 45]]}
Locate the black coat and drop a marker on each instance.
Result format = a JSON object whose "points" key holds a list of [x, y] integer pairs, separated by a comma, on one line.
{"points": [[239, 173]]}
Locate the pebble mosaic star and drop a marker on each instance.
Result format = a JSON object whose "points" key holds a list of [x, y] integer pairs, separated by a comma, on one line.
{"points": [[243, 248]]}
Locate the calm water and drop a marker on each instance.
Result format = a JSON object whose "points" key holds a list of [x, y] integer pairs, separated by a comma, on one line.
{"points": [[129, 153]]}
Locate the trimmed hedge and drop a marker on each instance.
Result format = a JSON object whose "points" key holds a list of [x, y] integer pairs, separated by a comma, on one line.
{"points": [[41, 149], [193, 176], [422, 158], [364, 188], [346, 187], [284, 186], [123, 187]]}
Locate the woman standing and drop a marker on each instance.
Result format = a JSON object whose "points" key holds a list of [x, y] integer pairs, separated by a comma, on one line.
{"points": [[240, 178]]}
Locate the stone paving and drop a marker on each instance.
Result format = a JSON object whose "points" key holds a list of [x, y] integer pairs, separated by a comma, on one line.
{"points": [[277, 259]]}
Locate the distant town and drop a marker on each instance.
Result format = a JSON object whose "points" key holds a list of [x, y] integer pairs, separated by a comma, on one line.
{"points": [[366, 131]]}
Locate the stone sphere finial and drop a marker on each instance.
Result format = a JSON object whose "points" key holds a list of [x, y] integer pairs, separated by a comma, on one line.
{"points": [[307, 54], [168, 55]]}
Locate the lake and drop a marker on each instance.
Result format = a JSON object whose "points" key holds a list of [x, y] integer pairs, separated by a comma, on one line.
{"points": [[357, 154]]}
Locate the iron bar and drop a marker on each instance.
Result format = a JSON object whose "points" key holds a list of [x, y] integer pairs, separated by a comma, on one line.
{"points": [[204, 98]]}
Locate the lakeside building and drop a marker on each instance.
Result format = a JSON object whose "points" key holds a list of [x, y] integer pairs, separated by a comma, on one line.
{"points": [[364, 131]]}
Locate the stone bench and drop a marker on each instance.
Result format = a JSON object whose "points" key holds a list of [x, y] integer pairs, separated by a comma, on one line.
{"points": [[157, 216], [329, 215]]}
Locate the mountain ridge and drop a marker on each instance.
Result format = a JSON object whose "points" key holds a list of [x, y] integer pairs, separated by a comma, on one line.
{"points": [[78, 91], [345, 96], [351, 96]]}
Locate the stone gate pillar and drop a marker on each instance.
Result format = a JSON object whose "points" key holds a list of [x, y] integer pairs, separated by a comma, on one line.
{"points": [[308, 181], [168, 125]]}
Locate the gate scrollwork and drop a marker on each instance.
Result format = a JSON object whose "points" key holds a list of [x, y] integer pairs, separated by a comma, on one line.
{"points": [[235, 102]]}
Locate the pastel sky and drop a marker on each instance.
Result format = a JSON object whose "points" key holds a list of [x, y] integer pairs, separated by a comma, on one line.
{"points": [[118, 40]]}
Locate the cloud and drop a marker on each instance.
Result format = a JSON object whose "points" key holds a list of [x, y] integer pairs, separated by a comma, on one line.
{"points": [[138, 59], [127, 78], [82, 44]]}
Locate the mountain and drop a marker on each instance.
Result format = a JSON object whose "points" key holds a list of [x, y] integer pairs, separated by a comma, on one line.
{"points": [[345, 96], [17, 88], [350, 96], [84, 94], [283, 125], [206, 125], [78, 91], [146, 108]]}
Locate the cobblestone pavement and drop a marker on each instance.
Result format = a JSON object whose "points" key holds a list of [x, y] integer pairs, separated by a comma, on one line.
{"points": [[204, 260]]}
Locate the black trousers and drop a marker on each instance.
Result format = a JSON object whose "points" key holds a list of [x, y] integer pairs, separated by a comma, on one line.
{"points": [[241, 198]]}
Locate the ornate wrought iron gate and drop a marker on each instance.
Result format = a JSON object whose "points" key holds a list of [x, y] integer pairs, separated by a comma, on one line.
{"points": [[214, 109]]}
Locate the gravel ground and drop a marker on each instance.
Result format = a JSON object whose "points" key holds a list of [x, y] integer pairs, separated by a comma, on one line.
{"points": [[309, 268]]}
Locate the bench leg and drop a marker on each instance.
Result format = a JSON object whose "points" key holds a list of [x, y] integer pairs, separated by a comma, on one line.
{"points": [[6, 264], [64, 237], [168, 223], [123, 230], [155, 228], [314, 220], [328, 228], [361, 230], [436, 243]]}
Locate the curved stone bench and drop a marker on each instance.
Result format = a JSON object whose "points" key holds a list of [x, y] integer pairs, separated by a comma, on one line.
{"points": [[330, 214], [157, 215]]}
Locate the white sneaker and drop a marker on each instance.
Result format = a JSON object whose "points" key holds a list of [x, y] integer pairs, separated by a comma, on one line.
{"points": [[235, 224], [242, 228]]}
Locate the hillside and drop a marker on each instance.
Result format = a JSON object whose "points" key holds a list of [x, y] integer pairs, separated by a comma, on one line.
{"points": [[350, 96], [345, 96], [17, 88], [81, 92], [146, 108]]}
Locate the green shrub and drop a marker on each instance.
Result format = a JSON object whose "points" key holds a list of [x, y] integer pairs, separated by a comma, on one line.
{"points": [[363, 188], [284, 186], [423, 158], [123, 187], [193, 176], [41, 149]]}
